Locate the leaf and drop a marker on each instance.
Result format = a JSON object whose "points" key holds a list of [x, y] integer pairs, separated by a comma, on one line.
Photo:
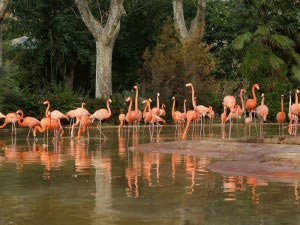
{"points": [[275, 62], [282, 41], [240, 41], [262, 31], [296, 72]]}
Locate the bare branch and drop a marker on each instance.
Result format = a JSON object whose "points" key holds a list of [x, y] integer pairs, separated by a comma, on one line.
{"points": [[92, 24], [3, 6], [179, 21], [116, 11], [198, 23]]}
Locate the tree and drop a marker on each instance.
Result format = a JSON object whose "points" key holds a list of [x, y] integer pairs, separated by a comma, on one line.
{"points": [[105, 37], [3, 7], [197, 26]]}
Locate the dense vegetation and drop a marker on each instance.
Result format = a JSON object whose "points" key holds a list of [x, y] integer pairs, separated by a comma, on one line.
{"points": [[245, 42]]}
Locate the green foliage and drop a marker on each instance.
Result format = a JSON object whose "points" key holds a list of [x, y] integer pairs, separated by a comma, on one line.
{"points": [[172, 65]]}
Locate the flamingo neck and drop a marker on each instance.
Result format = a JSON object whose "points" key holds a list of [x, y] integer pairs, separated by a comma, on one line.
{"points": [[157, 100], [108, 108], [290, 103], [145, 109], [136, 99], [20, 118], [149, 106], [130, 105], [253, 94], [173, 107], [282, 109], [47, 110], [184, 107], [242, 101], [193, 97], [262, 100]]}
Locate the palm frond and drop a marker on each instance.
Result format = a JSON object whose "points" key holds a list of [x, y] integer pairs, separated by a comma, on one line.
{"points": [[296, 72], [262, 31], [282, 41], [296, 57], [240, 41], [275, 62]]}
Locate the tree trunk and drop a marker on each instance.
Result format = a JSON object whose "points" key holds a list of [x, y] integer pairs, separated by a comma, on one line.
{"points": [[1, 49], [197, 26], [3, 7], [105, 37], [103, 70]]}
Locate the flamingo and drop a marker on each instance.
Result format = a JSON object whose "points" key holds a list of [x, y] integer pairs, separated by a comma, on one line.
{"points": [[223, 121], [47, 122], [237, 112], [281, 116], [131, 116], [156, 110], [248, 121], [136, 109], [162, 111], [262, 113], [200, 109], [72, 116], [102, 114], [290, 115], [28, 121], [122, 118], [295, 111], [191, 115], [184, 110], [251, 102], [57, 115], [79, 112], [85, 121], [176, 115], [10, 118]]}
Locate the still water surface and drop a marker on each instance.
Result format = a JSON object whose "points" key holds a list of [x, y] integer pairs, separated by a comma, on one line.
{"points": [[92, 181]]}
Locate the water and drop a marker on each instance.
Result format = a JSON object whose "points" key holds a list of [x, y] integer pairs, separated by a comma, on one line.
{"points": [[104, 182]]}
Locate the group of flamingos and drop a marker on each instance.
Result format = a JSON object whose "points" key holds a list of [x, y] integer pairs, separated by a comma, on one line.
{"points": [[83, 118]]}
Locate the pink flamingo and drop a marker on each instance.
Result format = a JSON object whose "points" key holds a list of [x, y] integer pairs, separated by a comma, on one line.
{"points": [[10, 118], [122, 118], [79, 112], [85, 121], [102, 114], [28, 121], [262, 113], [156, 110], [295, 110], [136, 109], [251, 102], [184, 110], [191, 115], [177, 116], [200, 109], [281, 116], [47, 123], [162, 111], [292, 117], [131, 116]]}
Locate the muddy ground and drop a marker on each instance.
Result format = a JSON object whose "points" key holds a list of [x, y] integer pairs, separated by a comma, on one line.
{"points": [[279, 162]]}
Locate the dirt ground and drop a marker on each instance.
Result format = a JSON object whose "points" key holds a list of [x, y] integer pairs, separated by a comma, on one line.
{"points": [[280, 162]]}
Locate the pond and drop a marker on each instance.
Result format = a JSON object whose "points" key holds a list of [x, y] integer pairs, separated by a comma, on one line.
{"points": [[92, 181]]}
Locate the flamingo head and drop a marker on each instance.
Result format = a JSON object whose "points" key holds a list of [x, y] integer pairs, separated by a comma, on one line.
{"points": [[282, 96], [46, 102], [149, 100], [163, 105], [256, 86], [158, 94], [189, 85], [129, 99], [135, 87], [19, 111], [82, 104], [243, 90], [109, 100], [144, 102], [262, 95], [297, 91], [184, 100], [173, 98]]}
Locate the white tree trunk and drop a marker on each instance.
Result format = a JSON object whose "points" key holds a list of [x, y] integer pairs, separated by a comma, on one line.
{"points": [[3, 7], [103, 70], [105, 37]]}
